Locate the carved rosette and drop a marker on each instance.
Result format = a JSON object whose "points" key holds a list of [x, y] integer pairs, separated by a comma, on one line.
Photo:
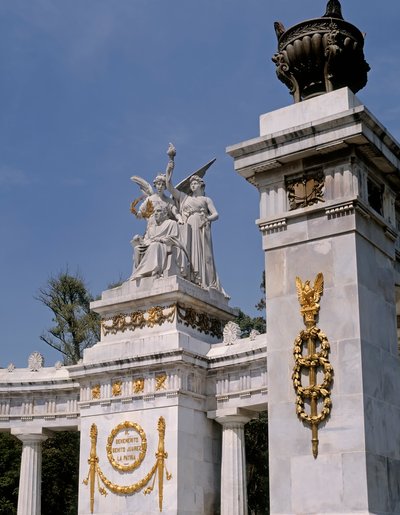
{"points": [[231, 333], [35, 362], [320, 55]]}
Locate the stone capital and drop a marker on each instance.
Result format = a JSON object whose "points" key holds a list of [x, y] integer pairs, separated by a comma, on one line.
{"points": [[31, 435], [233, 416]]}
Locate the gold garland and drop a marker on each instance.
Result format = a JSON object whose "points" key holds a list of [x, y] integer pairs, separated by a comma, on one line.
{"points": [[158, 315], [313, 361], [138, 319], [200, 321], [157, 470], [126, 490]]}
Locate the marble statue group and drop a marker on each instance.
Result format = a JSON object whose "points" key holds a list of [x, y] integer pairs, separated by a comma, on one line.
{"points": [[177, 240]]}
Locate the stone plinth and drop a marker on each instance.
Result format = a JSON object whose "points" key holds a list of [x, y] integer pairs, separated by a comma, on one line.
{"points": [[162, 315], [327, 173]]}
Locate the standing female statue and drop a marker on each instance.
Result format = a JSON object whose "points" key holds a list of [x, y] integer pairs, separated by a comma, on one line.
{"points": [[197, 211]]}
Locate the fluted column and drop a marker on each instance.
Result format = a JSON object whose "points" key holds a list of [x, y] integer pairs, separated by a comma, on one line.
{"points": [[30, 478], [233, 467]]}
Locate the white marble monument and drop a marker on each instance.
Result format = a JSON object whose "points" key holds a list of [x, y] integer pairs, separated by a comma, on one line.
{"points": [[162, 399]]}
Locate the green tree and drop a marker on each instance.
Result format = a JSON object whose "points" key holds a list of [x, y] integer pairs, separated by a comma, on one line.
{"points": [[10, 460], [261, 303], [247, 323], [75, 326], [60, 474], [256, 441]]}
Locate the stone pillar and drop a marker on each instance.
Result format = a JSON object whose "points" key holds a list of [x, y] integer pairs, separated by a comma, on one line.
{"points": [[30, 479], [340, 169], [233, 466]]}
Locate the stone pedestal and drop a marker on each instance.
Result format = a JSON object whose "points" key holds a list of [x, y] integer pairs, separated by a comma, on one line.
{"points": [[150, 370], [327, 173], [30, 480], [233, 465]]}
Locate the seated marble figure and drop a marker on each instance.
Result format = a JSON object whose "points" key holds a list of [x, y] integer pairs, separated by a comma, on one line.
{"points": [[160, 251]]}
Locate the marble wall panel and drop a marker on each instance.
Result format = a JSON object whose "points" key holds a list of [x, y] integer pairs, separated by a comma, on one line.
{"points": [[138, 502], [344, 260], [338, 314], [355, 494], [279, 477], [198, 470], [390, 372], [284, 323], [287, 435], [329, 226], [276, 278], [280, 369], [296, 231], [393, 472], [382, 421], [377, 480], [378, 320], [372, 370], [347, 365], [322, 492]]}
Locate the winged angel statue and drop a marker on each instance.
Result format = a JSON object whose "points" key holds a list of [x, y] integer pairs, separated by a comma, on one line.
{"points": [[178, 235]]}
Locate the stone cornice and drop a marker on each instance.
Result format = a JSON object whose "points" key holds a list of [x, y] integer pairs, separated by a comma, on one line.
{"points": [[357, 127]]}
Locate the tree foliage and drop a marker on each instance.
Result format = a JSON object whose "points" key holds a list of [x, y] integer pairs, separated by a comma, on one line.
{"points": [[256, 438], [60, 474], [60, 469], [10, 459], [247, 323], [261, 303], [75, 326]]}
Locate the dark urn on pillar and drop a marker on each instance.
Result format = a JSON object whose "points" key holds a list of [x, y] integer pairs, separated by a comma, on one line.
{"points": [[320, 55]]}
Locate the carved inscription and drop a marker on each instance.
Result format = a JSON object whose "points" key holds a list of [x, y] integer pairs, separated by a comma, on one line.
{"points": [[126, 446]]}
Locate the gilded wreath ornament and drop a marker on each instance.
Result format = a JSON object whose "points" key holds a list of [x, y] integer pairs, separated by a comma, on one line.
{"points": [[125, 427], [316, 359]]}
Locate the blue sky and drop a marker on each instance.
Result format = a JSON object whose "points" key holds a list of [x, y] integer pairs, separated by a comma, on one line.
{"points": [[92, 92]]}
